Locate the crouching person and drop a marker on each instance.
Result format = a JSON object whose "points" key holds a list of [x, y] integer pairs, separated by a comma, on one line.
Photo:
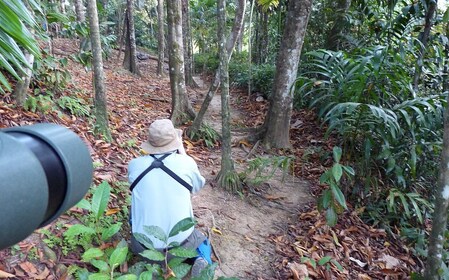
{"points": [[161, 183]]}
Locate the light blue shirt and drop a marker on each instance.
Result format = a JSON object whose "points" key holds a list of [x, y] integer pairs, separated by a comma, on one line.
{"points": [[161, 201]]}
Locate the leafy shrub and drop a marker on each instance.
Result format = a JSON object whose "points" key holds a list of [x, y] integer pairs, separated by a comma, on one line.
{"points": [[261, 169], [96, 227], [262, 76], [51, 74], [208, 134], [75, 105], [332, 199], [205, 62], [392, 135]]}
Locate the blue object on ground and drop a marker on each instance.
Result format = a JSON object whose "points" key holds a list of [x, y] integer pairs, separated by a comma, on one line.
{"points": [[205, 250]]}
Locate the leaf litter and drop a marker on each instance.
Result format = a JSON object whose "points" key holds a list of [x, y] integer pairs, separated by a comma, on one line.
{"points": [[294, 244]]}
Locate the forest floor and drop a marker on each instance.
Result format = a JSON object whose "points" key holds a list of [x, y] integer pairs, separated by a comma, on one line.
{"points": [[270, 231]]}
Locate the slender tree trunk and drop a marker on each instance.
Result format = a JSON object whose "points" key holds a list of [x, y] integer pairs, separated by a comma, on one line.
{"points": [[101, 112], [130, 60], [187, 39], [21, 89], [250, 46], [161, 37], [235, 33], [439, 220], [424, 38], [79, 10], [277, 121], [122, 33], [182, 110], [339, 27], [227, 177], [260, 50]]}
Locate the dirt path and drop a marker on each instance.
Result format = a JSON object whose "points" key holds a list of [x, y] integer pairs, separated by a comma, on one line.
{"points": [[244, 224]]}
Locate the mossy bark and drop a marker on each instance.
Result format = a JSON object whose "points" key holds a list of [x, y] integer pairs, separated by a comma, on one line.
{"points": [[182, 110], [100, 103], [227, 177]]}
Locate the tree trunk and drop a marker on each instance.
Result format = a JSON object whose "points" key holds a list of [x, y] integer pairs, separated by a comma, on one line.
{"points": [[334, 38], [439, 219], [277, 121], [161, 37], [182, 111], [21, 89], [130, 60], [79, 10], [235, 33], [260, 50], [101, 112], [187, 41], [227, 177], [424, 38]]}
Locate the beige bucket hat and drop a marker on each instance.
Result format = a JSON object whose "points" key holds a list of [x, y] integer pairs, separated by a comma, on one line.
{"points": [[163, 137]]}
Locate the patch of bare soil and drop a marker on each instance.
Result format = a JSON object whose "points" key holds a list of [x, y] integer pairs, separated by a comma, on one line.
{"points": [[240, 227]]}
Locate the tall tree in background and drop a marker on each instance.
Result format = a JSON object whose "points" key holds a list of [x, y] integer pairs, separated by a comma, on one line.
{"points": [[130, 60], [424, 39], [161, 37], [101, 111], [227, 177], [79, 10], [187, 41], [181, 107], [339, 25], [260, 50], [277, 121], [235, 34], [439, 219]]}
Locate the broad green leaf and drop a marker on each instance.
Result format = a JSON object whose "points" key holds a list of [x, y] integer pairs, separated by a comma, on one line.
{"points": [[336, 151], [84, 204], [349, 170], [144, 240], [77, 230], [183, 252], [339, 196], [417, 210], [337, 172], [107, 233], [181, 270], [404, 204], [310, 261], [182, 225], [331, 217], [101, 265], [209, 273], [127, 277], [157, 232], [153, 255], [4, 82], [99, 276], [337, 264], [327, 197], [146, 275], [324, 260], [176, 261], [100, 199], [118, 256], [92, 253]]}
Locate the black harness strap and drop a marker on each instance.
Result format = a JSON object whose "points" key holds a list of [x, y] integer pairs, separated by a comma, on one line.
{"points": [[157, 163]]}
